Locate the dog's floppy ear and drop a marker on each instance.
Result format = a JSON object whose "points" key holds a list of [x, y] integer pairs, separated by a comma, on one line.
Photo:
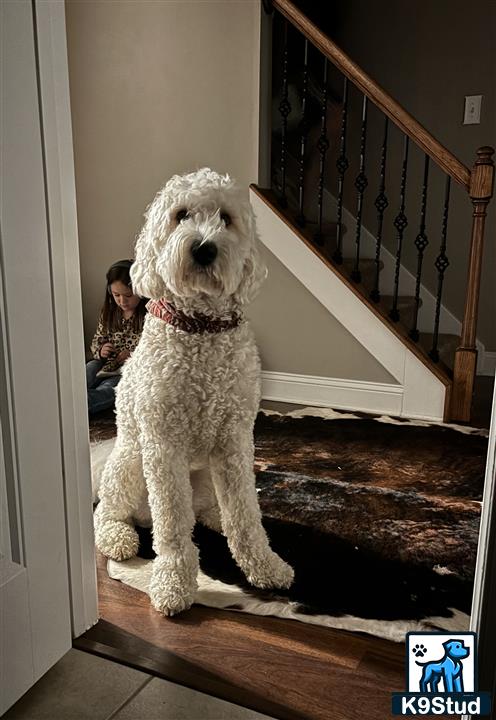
{"points": [[254, 269], [144, 277], [448, 645], [254, 273]]}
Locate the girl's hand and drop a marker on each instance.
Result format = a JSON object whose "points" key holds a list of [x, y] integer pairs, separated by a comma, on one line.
{"points": [[107, 350], [123, 356]]}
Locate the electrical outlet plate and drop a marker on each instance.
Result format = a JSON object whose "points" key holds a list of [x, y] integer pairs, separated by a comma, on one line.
{"points": [[472, 109]]}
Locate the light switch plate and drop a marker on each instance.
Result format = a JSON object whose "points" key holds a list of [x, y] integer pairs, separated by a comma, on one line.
{"points": [[472, 109]]}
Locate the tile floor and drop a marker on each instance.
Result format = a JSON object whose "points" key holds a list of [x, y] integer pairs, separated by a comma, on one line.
{"points": [[85, 687]]}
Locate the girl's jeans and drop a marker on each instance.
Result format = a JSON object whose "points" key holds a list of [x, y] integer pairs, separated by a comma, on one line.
{"points": [[101, 390]]}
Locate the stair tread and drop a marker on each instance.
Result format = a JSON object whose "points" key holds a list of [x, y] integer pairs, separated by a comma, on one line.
{"points": [[367, 268], [447, 344], [404, 301], [447, 337], [329, 228], [364, 263]]}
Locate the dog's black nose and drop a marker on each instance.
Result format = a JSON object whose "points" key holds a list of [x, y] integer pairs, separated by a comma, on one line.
{"points": [[204, 253]]}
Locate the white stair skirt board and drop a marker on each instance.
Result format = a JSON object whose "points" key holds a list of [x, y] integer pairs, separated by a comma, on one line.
{"points": [[332, 392], [448, 323], [423, 393]]}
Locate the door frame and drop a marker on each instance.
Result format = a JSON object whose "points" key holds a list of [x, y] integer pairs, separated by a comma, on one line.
{"points": [[56, 127], [483, 615], [38, 563]]}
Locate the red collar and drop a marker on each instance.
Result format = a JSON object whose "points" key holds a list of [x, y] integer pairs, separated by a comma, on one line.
{"points": [[196, 323]]}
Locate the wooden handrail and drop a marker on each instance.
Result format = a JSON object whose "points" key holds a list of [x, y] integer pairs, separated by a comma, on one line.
{"points": [[407, 124]]}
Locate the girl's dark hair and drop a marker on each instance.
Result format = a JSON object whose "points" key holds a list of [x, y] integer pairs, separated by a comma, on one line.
{"points": [[111, 313]]}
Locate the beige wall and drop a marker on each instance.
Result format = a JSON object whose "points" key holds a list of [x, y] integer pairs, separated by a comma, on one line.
{"points": [[429, 55], [295, 331], [156, 88], [164, 87]]}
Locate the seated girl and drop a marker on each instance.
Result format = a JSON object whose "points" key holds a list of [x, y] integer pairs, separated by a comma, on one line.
{"points": [[118, 332]]}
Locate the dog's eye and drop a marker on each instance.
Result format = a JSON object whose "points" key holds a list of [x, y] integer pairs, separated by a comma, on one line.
{"points": [[181, 215], [226, 218]]}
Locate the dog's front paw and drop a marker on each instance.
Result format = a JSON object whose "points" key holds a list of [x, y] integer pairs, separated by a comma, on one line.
{"points": [[173, 584], [116, 539], [271, 572]]}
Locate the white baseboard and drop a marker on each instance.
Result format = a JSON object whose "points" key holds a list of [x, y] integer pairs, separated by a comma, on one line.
{"points": [[336, 393]]}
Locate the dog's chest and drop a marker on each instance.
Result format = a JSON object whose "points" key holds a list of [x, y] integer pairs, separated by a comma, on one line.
{"points": [[199, 382]]}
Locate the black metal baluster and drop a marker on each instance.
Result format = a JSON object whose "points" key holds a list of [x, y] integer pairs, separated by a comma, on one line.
{"points": [[361, 183], [421, 243], [381, 203], [284, 109], [342, 166], [303, 138], [322, 146], [441, 264], [400, 223]]}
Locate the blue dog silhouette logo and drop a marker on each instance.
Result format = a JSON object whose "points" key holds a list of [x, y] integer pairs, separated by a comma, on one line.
{"points": [[449, 669], [441, 676]]}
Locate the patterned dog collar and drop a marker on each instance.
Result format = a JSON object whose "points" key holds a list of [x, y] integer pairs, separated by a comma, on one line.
{"points": [[196, 323]]}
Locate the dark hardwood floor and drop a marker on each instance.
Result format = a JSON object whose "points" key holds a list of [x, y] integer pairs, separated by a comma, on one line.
{"points": [[282, 668]]}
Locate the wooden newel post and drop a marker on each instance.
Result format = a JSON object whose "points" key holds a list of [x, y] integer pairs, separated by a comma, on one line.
{"points": [[480, 191]]}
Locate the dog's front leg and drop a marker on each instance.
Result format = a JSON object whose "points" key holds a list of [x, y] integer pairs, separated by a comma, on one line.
{"points": [[175, 569], [120, 492], [234, 482], [449, 685]]}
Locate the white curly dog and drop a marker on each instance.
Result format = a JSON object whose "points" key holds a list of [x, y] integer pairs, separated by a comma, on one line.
{"points": [[189, 395]]}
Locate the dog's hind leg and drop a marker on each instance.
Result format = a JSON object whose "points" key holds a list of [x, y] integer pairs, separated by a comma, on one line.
{"points": [[424, 680], [234, 482], [121, 491], [435, 683], [175, 569]]}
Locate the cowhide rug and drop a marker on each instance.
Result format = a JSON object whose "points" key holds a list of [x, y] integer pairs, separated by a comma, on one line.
{"points": [[378, 516]]}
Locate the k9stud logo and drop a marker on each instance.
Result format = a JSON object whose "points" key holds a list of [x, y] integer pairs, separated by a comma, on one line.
{"points": [[441, 676], [441, 662]]}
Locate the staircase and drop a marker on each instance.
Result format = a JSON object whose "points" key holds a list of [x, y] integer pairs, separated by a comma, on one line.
{"points": [[342, 151]]}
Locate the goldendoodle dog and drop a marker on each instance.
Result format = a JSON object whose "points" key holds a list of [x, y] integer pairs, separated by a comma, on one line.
{"points": [[189, 395]]}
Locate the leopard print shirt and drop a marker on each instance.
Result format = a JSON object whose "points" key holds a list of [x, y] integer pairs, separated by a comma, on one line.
{"points": [[124, 339]]}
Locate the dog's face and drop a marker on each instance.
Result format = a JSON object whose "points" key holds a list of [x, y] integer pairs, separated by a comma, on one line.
{"points": [[456, 649], [199, 238]]}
